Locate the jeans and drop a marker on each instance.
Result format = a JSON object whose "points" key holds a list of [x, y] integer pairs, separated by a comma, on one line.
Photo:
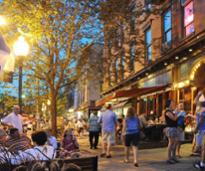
{"points": [[93, 137]]}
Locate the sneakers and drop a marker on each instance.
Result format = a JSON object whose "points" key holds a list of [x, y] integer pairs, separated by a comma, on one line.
{"points": [[136, 165], [170, 161], [126, 161], [197, 165], [175, 160]]}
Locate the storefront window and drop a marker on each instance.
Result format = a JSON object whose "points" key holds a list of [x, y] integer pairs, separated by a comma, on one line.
{"points": [[167, 26], [185, 97], [148, 43], [143, 104], [189, 18]]}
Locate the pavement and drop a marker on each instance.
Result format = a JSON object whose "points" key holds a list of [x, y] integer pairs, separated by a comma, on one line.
{"points": [[149, 159]]}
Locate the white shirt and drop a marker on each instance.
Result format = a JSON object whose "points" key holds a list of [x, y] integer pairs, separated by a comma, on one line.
{"points": [[45, 152], [53, 142], [15, 120]]}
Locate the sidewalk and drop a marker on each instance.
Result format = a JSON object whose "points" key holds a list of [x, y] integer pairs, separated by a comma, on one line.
{"points": [[149, 160]]}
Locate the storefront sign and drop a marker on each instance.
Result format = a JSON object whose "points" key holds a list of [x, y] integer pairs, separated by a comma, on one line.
{"points": [[159, 80]]}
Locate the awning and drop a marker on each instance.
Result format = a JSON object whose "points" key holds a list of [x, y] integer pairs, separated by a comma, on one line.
{"points": [[119, 105], [138, 91], [104, 100], [135, 92]]}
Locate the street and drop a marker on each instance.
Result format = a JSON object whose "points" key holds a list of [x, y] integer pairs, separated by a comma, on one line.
{"points": [[149, 160]]}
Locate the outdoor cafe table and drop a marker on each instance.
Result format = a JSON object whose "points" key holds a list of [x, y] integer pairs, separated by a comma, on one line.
{"points": [[154, 132]]}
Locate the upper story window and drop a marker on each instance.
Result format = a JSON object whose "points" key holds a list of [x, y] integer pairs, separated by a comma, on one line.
{"points": [[167, 27], [133, 22], [132, 55], [123, 65], [148, 43], [189, 18], [116, 68]]}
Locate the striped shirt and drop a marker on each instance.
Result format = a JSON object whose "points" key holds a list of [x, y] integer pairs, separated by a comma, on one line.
{"points": [[18, 144]]}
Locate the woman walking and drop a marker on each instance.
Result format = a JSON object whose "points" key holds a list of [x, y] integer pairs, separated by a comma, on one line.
{"points": [[131, 131], [171, 132]]}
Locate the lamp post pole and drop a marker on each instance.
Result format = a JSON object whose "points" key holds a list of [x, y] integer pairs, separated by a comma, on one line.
{"points": [[20, 85], [21, 49]]}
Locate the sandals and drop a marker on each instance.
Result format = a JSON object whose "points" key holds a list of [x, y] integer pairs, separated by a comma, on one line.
{"points": [[126, 161]]}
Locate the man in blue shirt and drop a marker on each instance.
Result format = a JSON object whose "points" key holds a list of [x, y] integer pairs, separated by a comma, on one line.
{"points": [[109, 120]]}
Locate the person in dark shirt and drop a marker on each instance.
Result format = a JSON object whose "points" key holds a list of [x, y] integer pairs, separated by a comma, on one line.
{"points": [[171, 131]]}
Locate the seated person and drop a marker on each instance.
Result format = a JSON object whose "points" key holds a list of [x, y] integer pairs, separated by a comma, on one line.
{"points": [[52, 141], [69, 141], [3, 137], [70, 167], [40, 151], [143, 120], [17, 142], [152, 117]]}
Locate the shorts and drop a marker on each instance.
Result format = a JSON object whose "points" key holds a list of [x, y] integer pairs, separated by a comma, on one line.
{"points": [[171, 132], [108, 137], [180, 133], [132, 139], [199, 137]]}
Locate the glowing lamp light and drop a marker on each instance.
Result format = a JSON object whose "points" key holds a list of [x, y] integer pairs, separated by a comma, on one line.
{"points": [[21, 47], [2, 21], [71, 110], [181, 84], [48, 102]]}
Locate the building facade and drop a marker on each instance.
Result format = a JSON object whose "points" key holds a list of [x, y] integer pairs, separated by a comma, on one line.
{"points": [[162, 45], [86, 89]]}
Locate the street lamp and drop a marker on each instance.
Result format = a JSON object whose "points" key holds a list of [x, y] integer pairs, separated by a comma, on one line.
{"points": [[2, 20], [21, 49]]}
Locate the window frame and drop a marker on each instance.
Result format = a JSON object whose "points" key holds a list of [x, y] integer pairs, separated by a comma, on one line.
{"points": [[123, 64], [165, 32], [147, 46], [184, 5], [132, 56], [117, 68]]}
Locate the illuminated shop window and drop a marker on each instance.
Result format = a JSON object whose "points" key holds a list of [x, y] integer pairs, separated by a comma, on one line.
{"points": [[189, 18]]}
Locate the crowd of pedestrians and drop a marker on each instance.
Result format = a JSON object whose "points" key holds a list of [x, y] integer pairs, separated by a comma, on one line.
{"points": [[44, 146]]}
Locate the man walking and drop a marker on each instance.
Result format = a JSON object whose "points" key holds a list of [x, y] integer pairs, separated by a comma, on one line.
{"points": [[109, 120], [14, 119], [94, 129]]}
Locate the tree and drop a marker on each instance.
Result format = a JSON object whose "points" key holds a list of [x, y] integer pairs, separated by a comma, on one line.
{"points": [[121, 25], [58, 32]]}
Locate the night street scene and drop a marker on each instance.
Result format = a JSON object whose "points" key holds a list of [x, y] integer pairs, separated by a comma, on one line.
{"points": [[102, 85]]}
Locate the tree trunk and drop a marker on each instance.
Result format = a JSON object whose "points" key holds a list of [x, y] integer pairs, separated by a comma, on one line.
{"points": [[53, 113]]}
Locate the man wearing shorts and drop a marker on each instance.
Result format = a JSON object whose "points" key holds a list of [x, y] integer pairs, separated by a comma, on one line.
{"points": [[108, 119]]}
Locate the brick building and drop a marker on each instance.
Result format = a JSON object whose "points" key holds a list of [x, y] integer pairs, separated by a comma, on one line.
{"points": [[153, 55]]}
